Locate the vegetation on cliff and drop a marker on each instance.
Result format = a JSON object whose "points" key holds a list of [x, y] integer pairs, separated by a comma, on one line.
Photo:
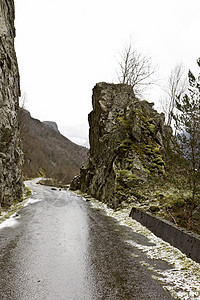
{"points": [[134, 158]]}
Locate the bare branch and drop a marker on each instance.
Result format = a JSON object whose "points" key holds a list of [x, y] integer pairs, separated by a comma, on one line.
{"points": [[135, 69], [176, 86]]}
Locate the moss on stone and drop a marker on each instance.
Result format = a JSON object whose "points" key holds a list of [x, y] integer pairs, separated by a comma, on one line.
{"points": [[126, 175], [158, 160], [156, 150], [151, 128]]}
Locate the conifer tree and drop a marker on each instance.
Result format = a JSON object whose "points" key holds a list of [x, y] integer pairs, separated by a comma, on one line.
{"points": [[187, 121]]}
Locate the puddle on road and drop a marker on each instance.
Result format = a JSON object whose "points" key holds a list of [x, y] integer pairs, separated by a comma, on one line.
{"points": [[178, 274]]}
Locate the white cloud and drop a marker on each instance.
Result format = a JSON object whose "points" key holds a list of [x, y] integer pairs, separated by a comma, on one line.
{"points": [[77, 134]]}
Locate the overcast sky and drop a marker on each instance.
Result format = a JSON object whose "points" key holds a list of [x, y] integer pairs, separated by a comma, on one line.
{"points": [[65, 47]]}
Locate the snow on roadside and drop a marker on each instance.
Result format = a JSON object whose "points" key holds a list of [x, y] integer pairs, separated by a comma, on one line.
{"points": [[11, 221], [183, 279], [31, 201], [7, 220]]}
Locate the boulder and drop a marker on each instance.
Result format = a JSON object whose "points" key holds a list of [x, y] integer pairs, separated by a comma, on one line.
{"points": [[127, 140]]}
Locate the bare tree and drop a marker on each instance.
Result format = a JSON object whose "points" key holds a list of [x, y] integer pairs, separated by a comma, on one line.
{"points": [[176, 86], [135, 69]]}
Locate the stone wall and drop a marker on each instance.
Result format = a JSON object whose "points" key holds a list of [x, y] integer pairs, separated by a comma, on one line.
{"points": [[185, 241], [10, 151]]}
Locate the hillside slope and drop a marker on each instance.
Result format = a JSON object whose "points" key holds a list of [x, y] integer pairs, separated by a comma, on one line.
{"points": [[47, 152]]}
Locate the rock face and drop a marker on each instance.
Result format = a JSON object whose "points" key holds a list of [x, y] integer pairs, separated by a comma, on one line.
{"points": [[52, 125], [127, 145], [10, 153]]}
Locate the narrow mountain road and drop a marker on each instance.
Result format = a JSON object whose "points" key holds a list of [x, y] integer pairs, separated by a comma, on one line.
{"points": [[60, 248]]}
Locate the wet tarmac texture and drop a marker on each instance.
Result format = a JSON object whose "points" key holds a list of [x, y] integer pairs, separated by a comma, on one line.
{"points": [[61, 248]]}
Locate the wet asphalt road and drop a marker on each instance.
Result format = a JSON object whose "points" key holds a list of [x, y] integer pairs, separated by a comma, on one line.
{"points": [[60, 248]]}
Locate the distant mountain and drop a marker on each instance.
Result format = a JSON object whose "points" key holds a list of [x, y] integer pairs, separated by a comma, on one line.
{"points": [[52, 125], [47, 152]]}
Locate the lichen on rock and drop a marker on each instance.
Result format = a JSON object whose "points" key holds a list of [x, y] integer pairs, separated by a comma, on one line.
{"points": [[127, 145]]}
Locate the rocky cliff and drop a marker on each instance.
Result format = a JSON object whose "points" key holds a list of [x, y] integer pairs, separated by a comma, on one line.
{"points": [[134, 160], [10, 152], [127, 140]]}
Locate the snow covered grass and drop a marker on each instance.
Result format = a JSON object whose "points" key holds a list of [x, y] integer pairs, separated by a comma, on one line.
{"points": [[182, 280], [31, 201], [11, 221], [9, 217]]}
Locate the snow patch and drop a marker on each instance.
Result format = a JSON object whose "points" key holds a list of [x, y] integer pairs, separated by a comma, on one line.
{"points": [[183, 279], [11, 222], [32, 201]]}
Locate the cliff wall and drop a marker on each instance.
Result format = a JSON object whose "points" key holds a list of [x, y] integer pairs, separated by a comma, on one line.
{"points": [[10, 152], [127, 143]]}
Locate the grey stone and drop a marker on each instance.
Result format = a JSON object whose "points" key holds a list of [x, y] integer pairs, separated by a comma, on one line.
{"points": [[11, 157]]}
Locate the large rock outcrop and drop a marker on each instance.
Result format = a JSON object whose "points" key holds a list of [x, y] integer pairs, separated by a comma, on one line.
{"points": [[127, 145], [10, 153]]}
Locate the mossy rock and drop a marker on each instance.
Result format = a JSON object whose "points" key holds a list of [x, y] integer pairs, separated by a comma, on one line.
{"points": [[122, 148], [128, 160], [147, 170], [126, 175], [156, 150], [127, 142], [153, 167], [174, 200], [159, 161], [151, 128], [154, 208], [149, 152]]}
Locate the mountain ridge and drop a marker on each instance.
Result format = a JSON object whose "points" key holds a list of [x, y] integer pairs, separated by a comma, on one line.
{"points": [[52, 125], [47, 152]]}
